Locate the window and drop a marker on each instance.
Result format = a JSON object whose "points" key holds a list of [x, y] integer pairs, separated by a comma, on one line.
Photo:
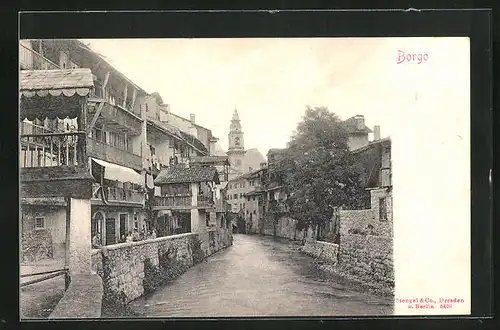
{"points": [[254, 212], [39, 223], [235, 196], [382, 209]]}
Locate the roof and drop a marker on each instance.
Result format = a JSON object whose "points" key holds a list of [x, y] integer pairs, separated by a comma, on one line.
{"points": [[247, 175], [178, 174], [192, 140], [236, 117], [386, 140], [210, 160], [102, 59], [166, 128], [55, 82], [352, 126]]}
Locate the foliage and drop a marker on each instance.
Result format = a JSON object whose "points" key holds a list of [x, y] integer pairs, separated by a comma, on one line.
{"points": [[197, 251], [318, 171], [152, 276]]}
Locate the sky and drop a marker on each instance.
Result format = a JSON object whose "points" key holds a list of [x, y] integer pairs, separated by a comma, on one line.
{"points": [[269, 81]]}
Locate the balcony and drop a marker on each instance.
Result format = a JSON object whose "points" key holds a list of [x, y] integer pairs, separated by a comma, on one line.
{"points": [[205, 201], [116, 117], [112, 154], [173, 202], [116, 195], [54, 165], [51, 149], [31, 60]]}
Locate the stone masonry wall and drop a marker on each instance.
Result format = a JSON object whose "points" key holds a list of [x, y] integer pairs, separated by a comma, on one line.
{"points": [[322, 250], [367, 259], [358, 221], [130, 270]]}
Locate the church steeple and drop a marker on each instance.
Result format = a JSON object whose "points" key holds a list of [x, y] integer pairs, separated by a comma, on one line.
{"points": [[235, 135], [236, 150]]}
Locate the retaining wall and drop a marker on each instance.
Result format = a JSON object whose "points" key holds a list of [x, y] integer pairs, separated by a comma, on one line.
{"points": [[129, 270], [367, 259], [322, 250]]}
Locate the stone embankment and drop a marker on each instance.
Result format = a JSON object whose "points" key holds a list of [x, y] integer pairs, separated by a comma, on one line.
{"points": [[130, 270]]}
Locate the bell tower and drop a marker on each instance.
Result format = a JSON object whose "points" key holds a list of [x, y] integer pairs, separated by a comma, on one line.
{"points": [[236, 150]]}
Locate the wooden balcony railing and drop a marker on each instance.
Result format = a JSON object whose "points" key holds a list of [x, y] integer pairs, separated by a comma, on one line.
{"points": [[31, 60], [115, 194], [205, 201], [172, 201], [52, 149], [32, 129], [112, 154]]}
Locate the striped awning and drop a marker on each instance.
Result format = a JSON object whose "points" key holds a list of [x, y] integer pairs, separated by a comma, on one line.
{"points": [[120, 173]]}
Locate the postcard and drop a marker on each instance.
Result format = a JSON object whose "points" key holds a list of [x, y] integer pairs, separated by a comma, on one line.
{"points": [[244, 177]]}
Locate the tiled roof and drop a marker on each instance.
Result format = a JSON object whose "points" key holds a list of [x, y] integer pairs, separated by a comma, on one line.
{"points": [[178, 174], [47, 80], [210, 159]]}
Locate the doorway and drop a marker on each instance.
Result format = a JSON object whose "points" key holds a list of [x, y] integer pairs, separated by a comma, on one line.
{"points": [[110, 231], [123, 226]]}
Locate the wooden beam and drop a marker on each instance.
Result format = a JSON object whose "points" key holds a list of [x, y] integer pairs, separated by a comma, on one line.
{"points": [[134, 95], [125, 94], [106, 79], [94, 119]]}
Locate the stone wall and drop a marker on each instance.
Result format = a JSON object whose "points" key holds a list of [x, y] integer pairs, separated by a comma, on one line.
{"points": [[367, 259], [129, 270], [322, 250], [359, 221]]}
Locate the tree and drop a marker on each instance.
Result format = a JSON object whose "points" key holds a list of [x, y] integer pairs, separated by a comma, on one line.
{"points": [[319, 173]]}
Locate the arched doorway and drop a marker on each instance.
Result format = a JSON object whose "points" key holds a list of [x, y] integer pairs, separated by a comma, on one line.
{"points": [[97, 224]]}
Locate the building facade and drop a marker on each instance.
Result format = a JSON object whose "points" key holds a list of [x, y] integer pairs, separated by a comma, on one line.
{"points": [[118, 136]]}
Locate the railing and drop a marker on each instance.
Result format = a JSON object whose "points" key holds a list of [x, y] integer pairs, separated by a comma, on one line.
{"points": [[173, 201], [51, 149], [107, 152], [116, 194], [31, 60], [32, 129], [205, 201]]}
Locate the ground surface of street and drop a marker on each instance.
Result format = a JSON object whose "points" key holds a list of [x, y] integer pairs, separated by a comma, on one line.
{"points": [[259, 276]]}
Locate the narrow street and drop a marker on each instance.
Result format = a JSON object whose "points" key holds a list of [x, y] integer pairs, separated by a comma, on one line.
{"points": [[259, 276]]}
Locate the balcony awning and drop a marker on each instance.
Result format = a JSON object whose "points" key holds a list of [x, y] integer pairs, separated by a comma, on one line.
{"points": [[53, 93], [120, 173]]}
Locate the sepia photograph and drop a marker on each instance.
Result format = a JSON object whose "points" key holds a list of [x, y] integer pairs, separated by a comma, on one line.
{"points": [[244, 177]]}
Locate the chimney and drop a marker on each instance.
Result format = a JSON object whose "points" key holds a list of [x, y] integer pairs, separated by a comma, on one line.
{"points": [[376, 133], [192, 117]]}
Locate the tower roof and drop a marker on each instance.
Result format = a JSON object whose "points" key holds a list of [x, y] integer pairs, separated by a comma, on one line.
{"points": [[236, 117]]}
